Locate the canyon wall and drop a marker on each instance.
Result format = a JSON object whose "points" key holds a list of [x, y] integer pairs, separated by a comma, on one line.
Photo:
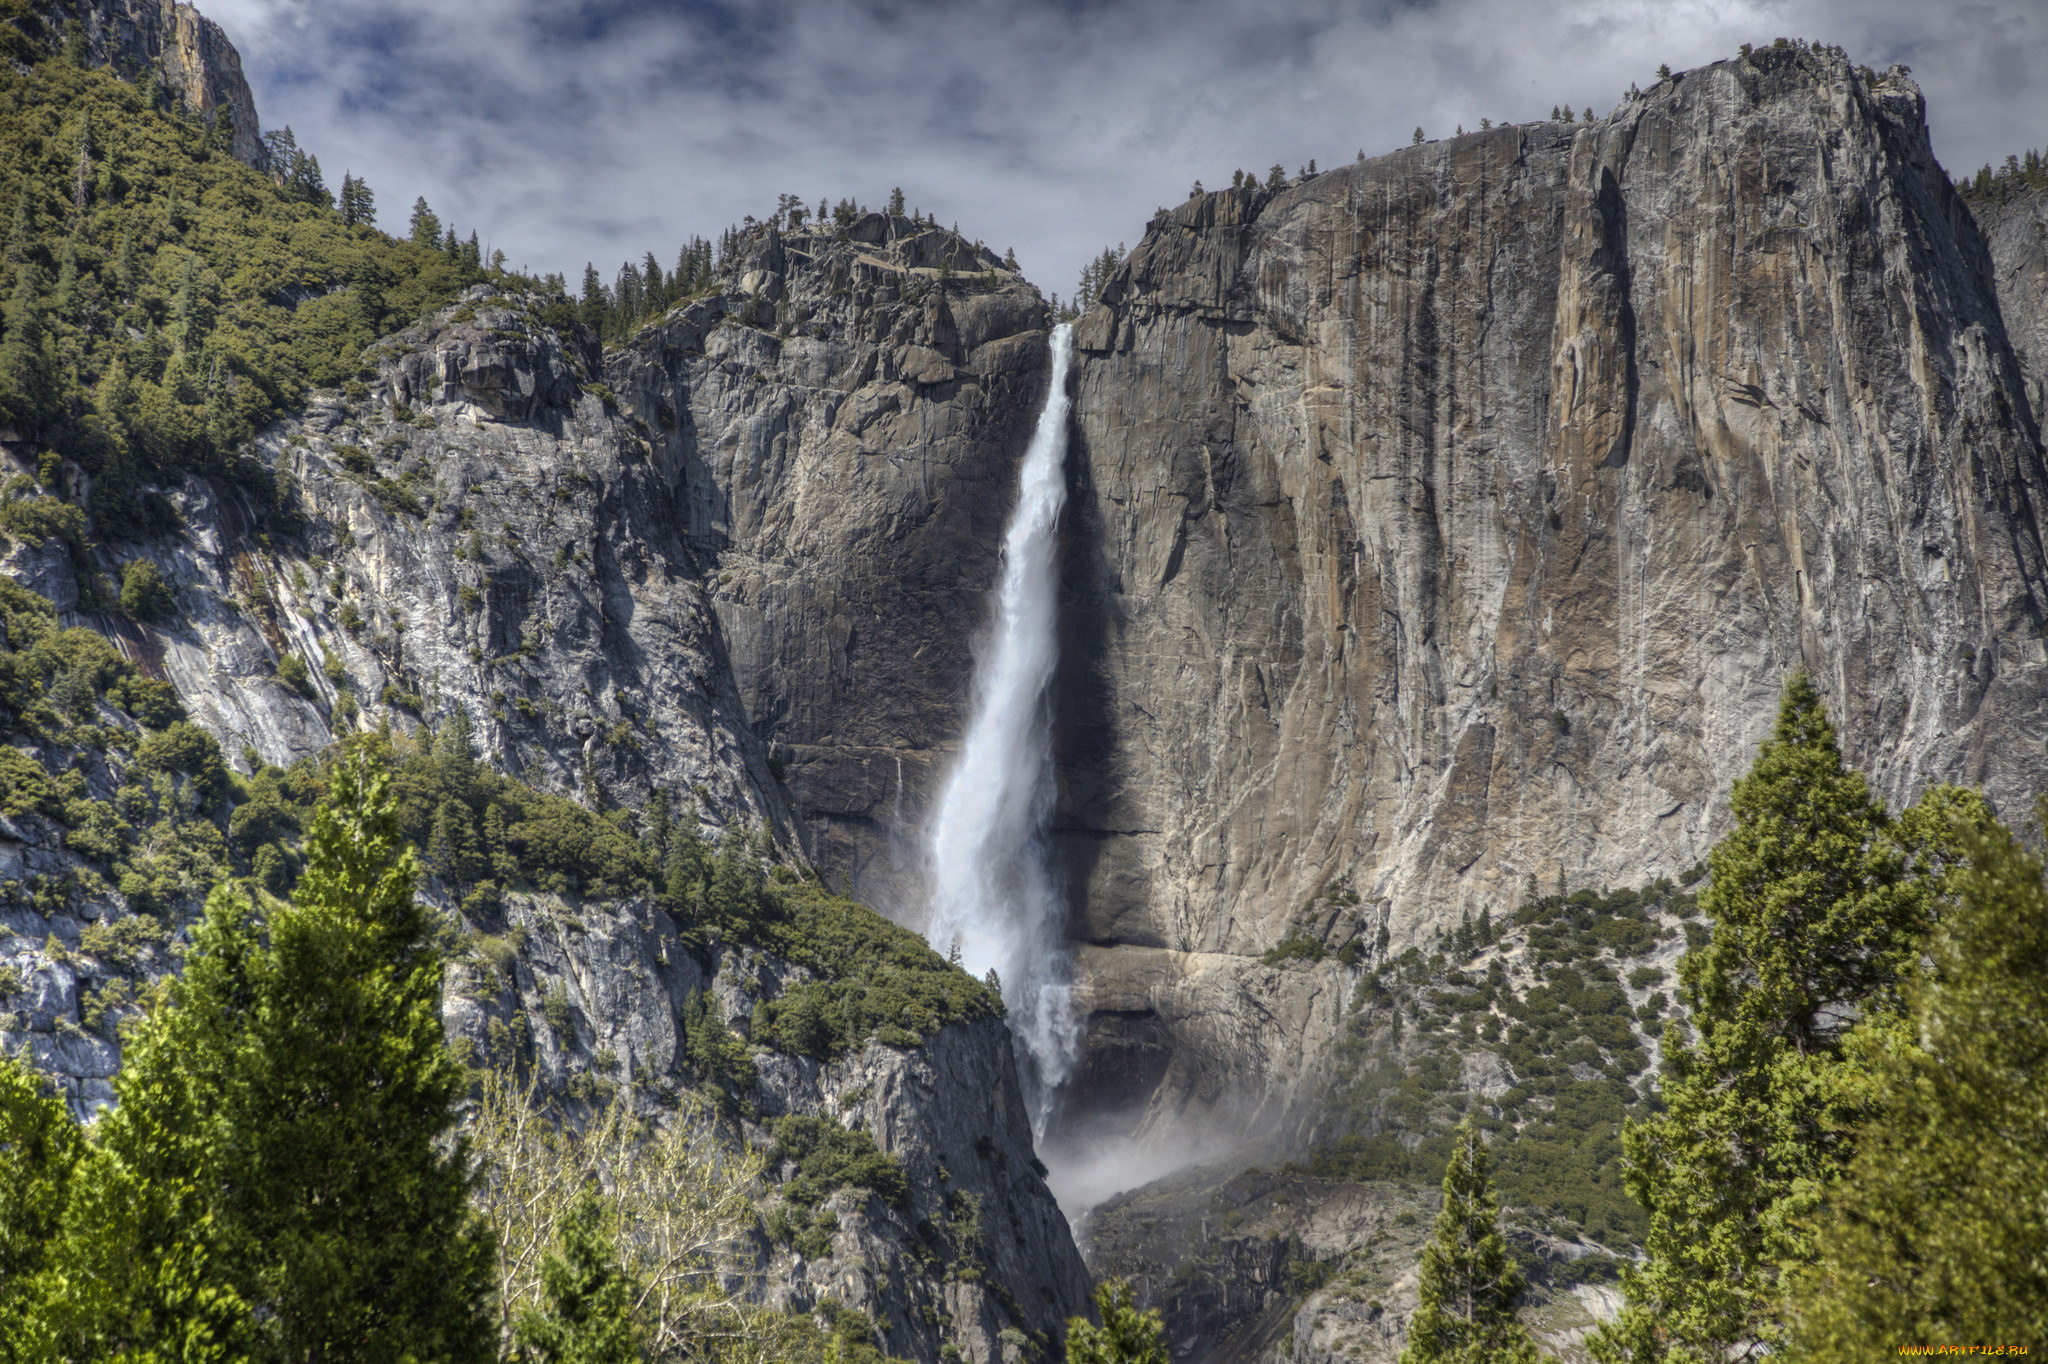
{"points": [[1448, 524]]}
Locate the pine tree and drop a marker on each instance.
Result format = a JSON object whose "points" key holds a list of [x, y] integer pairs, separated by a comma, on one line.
{"points": [[65, 301], [1939, 1232], [425, 225], [1819, 902], [589, 1316], [277, 1183], [1126, 1336], [358, 204], [349, 1217], [28, 368], [1469, 1285], [40, 1148]]}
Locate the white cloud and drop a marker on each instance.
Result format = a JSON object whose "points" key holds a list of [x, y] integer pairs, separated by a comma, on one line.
{"points": [[565, 132]]}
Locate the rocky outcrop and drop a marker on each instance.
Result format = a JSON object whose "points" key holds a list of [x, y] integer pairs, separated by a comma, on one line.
{"points": [[190, 54], [978, 1257], [1450, 522]]}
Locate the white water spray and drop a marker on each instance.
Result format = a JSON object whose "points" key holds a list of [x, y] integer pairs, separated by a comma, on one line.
{"points": [[992, 892]]}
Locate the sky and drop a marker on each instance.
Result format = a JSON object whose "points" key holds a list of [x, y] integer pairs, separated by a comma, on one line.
{"points": [[566, 131]]}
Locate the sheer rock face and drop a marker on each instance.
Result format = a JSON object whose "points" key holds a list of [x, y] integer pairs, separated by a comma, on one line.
{"points": [[1453, 519], [2015, 227], [192, 56], [846, 426]]}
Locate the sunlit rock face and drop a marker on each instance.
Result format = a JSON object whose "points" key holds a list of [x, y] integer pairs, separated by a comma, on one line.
{"points": [[192, 57], [1450, 521]]}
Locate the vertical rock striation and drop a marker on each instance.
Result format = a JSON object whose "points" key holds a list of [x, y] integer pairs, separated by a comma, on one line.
{"points": [[1451, 521]]}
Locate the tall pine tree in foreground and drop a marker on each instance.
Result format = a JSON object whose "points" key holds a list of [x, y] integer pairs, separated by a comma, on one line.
{"points": [[277, 1183], [40, 1147], [1819, 903], [1469, 1285], [1939, 1232]]}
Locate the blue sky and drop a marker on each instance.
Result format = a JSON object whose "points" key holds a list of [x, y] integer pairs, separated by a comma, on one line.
{"points": [[566, 132]]}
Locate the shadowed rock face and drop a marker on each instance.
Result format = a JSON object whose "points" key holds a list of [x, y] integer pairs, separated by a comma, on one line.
{"points": [[846, 427], [1453, 519], [2015, 227]]}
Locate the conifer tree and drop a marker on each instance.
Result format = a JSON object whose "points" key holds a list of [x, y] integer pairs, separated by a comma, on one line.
{"points": [[40, 1147], [589, 1316], [1469, 1285], [425, 225], [1819, 902], [277, 1183], [28, 369], [1939, 1231], [1126, 1336]]}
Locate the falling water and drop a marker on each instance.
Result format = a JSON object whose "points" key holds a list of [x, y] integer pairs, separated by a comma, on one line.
{"points": [[992, 892]]}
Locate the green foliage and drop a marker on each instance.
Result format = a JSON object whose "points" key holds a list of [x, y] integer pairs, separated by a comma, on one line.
{"points": [[292, 671], [1819, 902], [642, 292], [34, 519], [1294, 947], [1469, 1284], [40, 1147], [2015, 176], [715, 1051], [276, 1181], [183, 747], [873, 976], [1937, 1232], [188, 300], [1126, 1335], [588, 1316], [144, 593], [830, 1157]]}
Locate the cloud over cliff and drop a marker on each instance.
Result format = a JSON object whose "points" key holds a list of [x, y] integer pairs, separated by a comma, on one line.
{"points": [[594, 131]]}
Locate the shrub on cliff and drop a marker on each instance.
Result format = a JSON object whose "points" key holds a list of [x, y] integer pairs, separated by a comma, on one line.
{"points": [[144, 593], [1126, 1335]]}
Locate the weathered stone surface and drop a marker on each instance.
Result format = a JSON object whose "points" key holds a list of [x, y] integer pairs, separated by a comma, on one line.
{"points": [[2015, 227], [1453, 519], [847, 473], [192, 56]]}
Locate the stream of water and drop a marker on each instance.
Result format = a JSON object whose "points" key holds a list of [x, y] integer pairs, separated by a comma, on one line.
{"points": [[993, 896]]}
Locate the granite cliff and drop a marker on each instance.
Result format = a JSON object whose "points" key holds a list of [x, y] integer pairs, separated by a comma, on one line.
{"points": [[1448, 523], [1442, 529]]}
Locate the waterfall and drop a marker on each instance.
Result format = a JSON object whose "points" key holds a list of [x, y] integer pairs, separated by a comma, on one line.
{"points": [[992, 891]]}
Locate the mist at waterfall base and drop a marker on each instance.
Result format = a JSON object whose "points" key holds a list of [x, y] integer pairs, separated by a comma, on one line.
{"points": [[993, 896]]}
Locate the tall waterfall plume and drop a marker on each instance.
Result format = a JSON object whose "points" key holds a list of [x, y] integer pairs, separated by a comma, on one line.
{"points": [[993, 895]]}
